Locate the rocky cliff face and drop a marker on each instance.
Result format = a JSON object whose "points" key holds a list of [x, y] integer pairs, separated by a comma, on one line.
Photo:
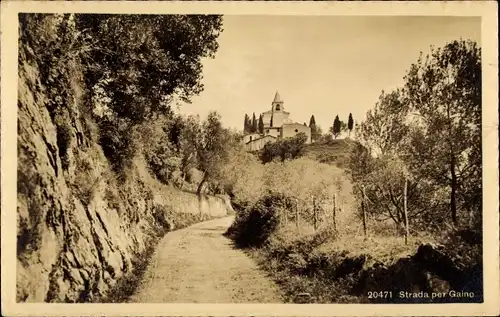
{"points": [[80, 229]]}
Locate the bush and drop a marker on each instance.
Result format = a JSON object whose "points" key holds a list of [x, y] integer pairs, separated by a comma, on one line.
{"points": [[86, 180], [283, 149], [118, 144], [253, 228]]}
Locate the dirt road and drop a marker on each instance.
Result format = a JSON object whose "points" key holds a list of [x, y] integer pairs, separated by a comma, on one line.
{"points": [[199, 265]]}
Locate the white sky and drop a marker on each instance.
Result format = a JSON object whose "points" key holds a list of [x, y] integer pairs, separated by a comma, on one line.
{"points": [[321, 65]]}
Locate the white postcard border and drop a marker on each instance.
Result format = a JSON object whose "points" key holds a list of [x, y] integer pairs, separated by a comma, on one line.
{"points": [[489, 44]]}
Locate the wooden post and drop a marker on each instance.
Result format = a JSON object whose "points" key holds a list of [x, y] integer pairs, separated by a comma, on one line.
{"points": [[285, 216], [335, 211], [297, 213], [363, 210], [407, 233], [314, 214]]}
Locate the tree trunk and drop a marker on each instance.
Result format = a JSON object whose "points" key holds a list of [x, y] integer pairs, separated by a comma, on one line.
{"points": [[297, 213], [453, 196], [407, 228], [335, 212], [363, 211], [315, 215], [200, 186]]}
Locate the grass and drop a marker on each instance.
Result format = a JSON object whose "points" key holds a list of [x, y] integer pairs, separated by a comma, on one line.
{"points": [[332, 152], [325, 266]]}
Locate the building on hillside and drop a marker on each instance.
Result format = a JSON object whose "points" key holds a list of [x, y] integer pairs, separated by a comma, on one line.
{"points": [[277, 125]]}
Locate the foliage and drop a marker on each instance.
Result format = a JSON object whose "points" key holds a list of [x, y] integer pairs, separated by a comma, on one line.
{"points": [[315, 129], [243, 176], [133, 55], [254, 124], [207, 143], [133, 67], [261, 125], [336, 127], [160, 142], [444, 93], [283, 149], [246, 126], [253, 227], [385, 128], [427, 133], [248, 180], [350, 124], [136, 65]]}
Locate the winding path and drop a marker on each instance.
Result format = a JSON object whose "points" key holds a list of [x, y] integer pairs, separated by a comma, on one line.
{"points": [[199, 265]]}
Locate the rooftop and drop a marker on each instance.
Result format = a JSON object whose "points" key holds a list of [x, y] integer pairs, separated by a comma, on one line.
{"points": [[277, 97]]}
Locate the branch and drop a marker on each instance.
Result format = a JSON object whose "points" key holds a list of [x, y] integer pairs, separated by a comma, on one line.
{"points": [[394, 202]]}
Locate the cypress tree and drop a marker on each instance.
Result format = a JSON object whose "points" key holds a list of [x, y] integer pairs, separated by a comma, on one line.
{"points": [[336, 127], [312, 125], [350, 124], [254, 124], [261, 125], [245, 125]]}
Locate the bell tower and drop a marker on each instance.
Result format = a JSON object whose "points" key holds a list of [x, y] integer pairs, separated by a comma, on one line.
{"points": [[277, 104]]}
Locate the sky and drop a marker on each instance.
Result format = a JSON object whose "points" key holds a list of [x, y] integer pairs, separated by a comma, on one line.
{"points": [[321, 65]]}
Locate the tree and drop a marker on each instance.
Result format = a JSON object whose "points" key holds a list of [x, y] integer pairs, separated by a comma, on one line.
{"points": [[336, 127], [319, 133], [249, 125], [254, 124], [161, 146], [191, 134], [261, 125], [134, 67], [350, 123], [444, 92], [175, 132], [314, 129], [429, 133], [143, 60], [210, 142], [343, 126], [384, 128], [376, 164], [246, 126], [271, 121]]}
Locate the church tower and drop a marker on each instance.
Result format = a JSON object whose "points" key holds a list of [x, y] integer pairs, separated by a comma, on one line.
{"points": [[277, 116], [277, 104]]}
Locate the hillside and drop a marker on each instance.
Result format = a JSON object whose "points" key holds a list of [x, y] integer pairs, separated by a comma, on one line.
{"points": [[331, 152]]}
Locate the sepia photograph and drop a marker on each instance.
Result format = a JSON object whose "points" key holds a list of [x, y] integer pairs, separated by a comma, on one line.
{"points": [[236, 158]]}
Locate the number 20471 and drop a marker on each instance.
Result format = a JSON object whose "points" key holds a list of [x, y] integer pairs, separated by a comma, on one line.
{"points": [[380, 294]]}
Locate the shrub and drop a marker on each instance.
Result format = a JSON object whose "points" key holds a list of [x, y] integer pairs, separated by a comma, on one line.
{"points": [[118, 144], [86, 180], [253, 227], [283, 149], [160, 215]]}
